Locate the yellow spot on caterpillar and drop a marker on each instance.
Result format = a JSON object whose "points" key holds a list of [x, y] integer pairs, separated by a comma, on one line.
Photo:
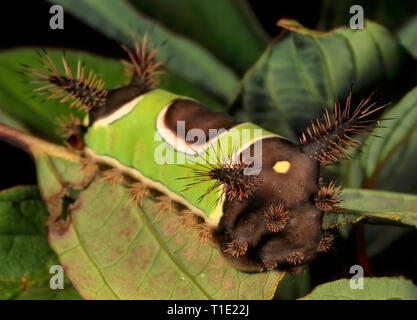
{"points": [[282, 166], [86, 121]]}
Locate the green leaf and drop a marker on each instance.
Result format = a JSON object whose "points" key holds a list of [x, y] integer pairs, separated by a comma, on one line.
{"points": [[68, 293], [24, 252], [229, 29], [186, 61], [305, 70], [398, 131], [374, 289], [408, 36], [374, 206], [113, 249], [389, 162], [293, 286], [11, 122]]}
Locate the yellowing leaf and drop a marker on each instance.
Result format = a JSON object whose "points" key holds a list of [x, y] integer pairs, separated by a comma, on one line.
{"points": [[373, 289]]}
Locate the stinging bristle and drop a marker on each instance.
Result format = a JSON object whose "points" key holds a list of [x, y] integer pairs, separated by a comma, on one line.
{"points": [[328, 137], [113, 176], [162, 206], [188, 220], [89, 167], [67, 126], [137, 191], [205, 233], [270, 264], [326, 242], [84, 90], [237, 248], [326, 198], [276, 217], [228, 173], [141, 65], [295, 258]]}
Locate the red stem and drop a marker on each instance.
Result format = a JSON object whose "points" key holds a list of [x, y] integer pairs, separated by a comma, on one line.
{"points": [[361, 256]]}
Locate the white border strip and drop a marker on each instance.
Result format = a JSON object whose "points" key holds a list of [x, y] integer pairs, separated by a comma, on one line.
{"points": [[180, 145], [134, 173], [119, 113]]}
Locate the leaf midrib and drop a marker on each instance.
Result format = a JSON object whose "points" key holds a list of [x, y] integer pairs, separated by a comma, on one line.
{"points": [[162, 245], [82, 245]]}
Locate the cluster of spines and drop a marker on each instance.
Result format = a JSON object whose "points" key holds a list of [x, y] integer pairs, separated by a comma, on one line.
{"points": [[237, 247], [326, 198], [85, 91], [163, 205], [276, 217], [295, 258], [229, 173], [325, 242], [137, 191], [66, 126], [113, 176], [188, 219], [328, 138], [270, 264], [141, 66]]}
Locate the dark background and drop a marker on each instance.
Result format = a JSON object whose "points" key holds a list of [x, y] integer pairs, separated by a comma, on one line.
{"points": [[28, 25]]}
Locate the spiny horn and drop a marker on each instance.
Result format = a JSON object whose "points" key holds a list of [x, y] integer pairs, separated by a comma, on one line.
{"points": [[85, 91], [67, 126], [142, 65], [328, 137]]}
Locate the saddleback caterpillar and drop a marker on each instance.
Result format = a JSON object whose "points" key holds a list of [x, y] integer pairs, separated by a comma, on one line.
{"points": [[253, 194]]}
